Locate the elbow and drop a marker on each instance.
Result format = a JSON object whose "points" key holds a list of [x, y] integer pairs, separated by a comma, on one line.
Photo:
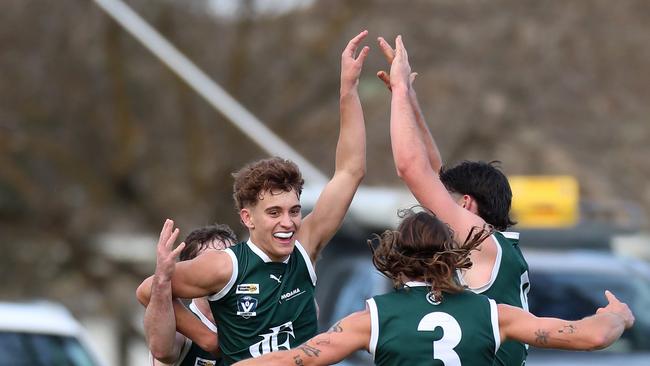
{"points": [[209, 343], [406, 168], [141, 294], [599, 341], [164, 355]]}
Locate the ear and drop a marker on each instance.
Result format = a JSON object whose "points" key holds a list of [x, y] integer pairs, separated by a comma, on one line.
{"points": [[469, 203], [246, 218]]}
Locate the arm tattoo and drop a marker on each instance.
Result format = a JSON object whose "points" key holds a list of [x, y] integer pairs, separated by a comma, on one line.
{"points": [[336, 328], [322, 340], [298, 361], [309, 350], [568, 329], [542, 336]]}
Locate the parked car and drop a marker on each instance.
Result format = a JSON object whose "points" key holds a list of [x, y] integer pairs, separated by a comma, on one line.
{"points": [[42, 334], [566, 284]]}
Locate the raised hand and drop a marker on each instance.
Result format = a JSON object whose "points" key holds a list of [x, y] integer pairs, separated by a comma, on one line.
{"points": [[619, 308], [400, 70], [350, 65], [166, 256], [389, 54]]}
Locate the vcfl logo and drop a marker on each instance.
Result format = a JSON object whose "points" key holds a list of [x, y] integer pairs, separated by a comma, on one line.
{"points": [[269, 343]]}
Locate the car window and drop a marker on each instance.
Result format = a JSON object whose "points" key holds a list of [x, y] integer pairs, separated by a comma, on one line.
{"points": [[18, 349], [574, 295]]}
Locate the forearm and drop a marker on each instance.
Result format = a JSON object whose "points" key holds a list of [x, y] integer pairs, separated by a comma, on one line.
{"points": [[160, 324], [409, 151], [433, 152], [351, 146], [191, 327], [591, 333]]}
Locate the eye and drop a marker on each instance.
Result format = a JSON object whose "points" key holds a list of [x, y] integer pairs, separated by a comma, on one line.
{"points": [[294, 212], [273, 213]]}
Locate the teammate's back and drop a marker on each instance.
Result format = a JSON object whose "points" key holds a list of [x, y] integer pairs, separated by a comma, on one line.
{"points": [[410, 328]]}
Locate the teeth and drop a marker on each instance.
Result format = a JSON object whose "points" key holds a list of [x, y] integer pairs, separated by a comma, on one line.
{"points": [[283, 235]]}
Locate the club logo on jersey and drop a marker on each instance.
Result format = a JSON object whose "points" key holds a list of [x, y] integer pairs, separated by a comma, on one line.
{"points": [[203, 362], [248, 288], [271, 341], [431, 298], [246, 306]]}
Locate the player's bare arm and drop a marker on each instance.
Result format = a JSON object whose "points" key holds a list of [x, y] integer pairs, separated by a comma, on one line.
{"points": [[334, 201], [433, 152], [410, 154], [342, 339], [159, 322], [594, 332], [202, 276]]}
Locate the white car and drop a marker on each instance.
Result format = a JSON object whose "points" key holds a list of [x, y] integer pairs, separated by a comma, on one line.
{"points": [[42, 333]]}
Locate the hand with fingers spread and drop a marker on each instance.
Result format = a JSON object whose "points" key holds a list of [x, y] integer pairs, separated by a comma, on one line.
{"points": [[350, 65], [166, 256], [619, 308], [389, 54]]}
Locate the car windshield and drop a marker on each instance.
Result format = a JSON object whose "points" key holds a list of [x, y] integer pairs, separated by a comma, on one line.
{"points": [[574, 295], [27, 349]]}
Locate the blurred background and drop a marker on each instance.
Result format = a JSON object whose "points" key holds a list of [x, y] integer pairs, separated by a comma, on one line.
{"points": [[100, 141]]}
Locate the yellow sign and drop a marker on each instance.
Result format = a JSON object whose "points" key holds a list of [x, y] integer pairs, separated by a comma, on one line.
{"points": [[545, 201]]}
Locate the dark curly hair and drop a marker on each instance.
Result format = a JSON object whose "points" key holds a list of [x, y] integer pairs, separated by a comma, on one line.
{"points": [[423, 248], [487, 185], [274, 175], [202, 238]]}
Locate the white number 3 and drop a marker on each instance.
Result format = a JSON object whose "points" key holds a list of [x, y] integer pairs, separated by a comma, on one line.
{"points": [[443, 349]]}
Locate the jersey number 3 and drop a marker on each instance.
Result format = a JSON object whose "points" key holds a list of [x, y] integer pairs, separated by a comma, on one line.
{"points": [[443, 349]]}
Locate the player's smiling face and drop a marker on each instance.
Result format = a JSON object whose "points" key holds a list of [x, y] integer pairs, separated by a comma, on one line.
{"points": [[274, 222]]}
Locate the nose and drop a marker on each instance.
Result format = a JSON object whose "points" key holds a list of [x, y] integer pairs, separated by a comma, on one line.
{"points": [[286, 221]]}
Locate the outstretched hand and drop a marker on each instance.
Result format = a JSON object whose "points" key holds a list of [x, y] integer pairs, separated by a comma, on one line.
{"points": [[166, 257], [389, 54], [619, 308], [350, 65]]}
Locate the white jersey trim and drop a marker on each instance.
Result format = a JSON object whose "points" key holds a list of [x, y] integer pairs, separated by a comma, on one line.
{"points": [[310, 265], [184, 351], [260, 253], [204, 319], [493, 276], [494, 317], [510, 234], [233, 277], [374, 327]]}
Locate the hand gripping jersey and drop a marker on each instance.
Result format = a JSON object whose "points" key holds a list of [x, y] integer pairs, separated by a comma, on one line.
{"points": [[410, 328], [266, 306], [508, 284]]}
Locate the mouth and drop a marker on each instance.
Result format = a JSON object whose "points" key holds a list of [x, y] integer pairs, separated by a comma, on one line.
{"points": [[284, 236]]}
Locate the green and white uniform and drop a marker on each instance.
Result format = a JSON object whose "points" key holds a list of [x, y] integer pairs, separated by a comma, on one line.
{"points": [[266, 306], [508, 284], [409, 328]]}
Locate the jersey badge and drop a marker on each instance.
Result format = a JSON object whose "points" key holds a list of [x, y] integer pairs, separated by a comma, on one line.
{"points": [[246, 306], [248, 288]]}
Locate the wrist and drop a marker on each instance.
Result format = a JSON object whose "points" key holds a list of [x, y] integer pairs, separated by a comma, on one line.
{"points": [[162, 279]]}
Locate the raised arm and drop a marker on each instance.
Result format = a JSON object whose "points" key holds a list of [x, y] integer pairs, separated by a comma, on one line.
{"points": [[594, 332], [345, 337], [433, 152], [202, 276], [159, 322], [332, 205], [410, 153]]}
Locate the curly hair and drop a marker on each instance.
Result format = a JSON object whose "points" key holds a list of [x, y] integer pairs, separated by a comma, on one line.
{"points": [[423, 248], [274, 175], [200, 239]]}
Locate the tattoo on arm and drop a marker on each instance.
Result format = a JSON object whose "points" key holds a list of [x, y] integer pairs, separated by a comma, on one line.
{"points": [[298, 361], [322, 340], [309, 350], [568, 329], [336, 328], [542, 336]]}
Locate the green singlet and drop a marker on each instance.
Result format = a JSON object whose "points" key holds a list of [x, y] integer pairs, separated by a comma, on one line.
{"points": [[509, 284], [410, 328], [266, 306]]}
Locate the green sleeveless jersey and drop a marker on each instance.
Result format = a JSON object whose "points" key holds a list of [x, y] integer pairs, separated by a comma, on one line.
{"points": [[409, 328], [509, 284], [266, 306]]}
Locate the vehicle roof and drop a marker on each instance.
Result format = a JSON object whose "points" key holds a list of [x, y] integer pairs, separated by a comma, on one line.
{"points": [[37, 317], [592, 261]]}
